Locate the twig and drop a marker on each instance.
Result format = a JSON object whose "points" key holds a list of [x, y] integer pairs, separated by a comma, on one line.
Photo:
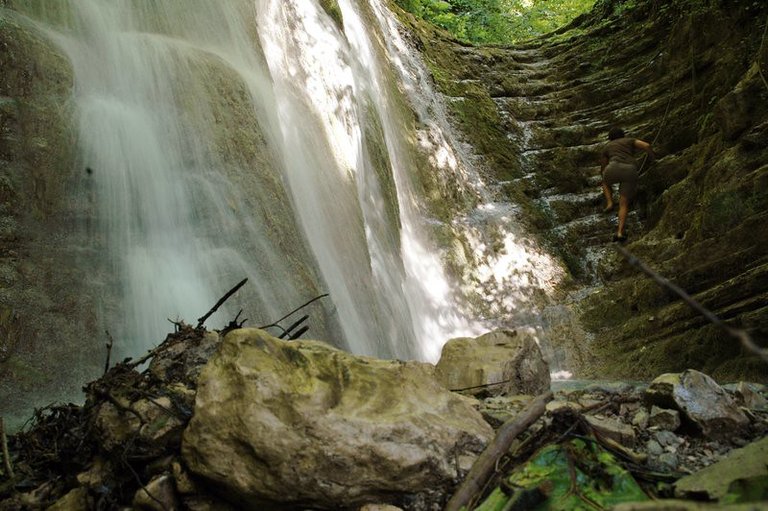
{"points": [[742, 336], [6, 456], [298, 334], [223, 299], [301, 320], [109, 350], [124, 459], [293, 311], [482, 386], [483, 466], [152, 399], [760, 54]]}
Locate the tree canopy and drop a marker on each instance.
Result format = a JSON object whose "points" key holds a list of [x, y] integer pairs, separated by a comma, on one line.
{"points": [[497, 21]]}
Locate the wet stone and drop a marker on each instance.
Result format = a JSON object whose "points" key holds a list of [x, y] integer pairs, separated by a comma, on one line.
{"points": [[664, 419], [641, 419], [654, 448], [667, 438]]}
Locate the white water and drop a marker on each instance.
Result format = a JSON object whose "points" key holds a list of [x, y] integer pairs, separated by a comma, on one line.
{"points": [[169, 98], [257, 139]]}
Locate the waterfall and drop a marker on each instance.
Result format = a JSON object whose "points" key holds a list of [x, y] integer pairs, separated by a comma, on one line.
{"points": [[223, 140], [264, 139]]}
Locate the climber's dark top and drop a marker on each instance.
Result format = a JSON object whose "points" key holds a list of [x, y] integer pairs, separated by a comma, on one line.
{"points": [[621, 150]]}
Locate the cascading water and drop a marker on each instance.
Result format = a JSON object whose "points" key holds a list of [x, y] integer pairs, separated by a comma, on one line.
{"points": [[174, 196], [261, 139], [231, 139]]}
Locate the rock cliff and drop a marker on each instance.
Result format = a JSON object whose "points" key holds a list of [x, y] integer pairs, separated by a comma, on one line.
{"points": [[689, 78]]}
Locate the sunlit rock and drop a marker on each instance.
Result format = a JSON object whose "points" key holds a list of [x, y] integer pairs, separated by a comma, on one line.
{"points": [[700, 399], [306, 424], [613, 429], [502, 362]]}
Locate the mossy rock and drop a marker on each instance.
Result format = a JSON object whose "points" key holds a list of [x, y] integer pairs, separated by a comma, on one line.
{"points": [[331, 7]]}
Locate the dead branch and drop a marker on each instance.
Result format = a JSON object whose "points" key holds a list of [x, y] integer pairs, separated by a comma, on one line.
{"points": [[742, 336], [233, 324], [499, 446], [482, 386], [287, 332], [6, 456], [223, 299], [110, 343]]}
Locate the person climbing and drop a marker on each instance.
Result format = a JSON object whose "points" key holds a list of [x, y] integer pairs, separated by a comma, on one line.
{"points": [[618, 165]]}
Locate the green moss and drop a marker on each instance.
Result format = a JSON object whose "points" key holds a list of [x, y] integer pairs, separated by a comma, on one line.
{"points": [[331, 7], [577, 475], [375, 144], [725, 209]]}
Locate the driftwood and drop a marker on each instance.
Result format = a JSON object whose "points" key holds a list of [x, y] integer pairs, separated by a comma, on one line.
{"points": [[6, 456], [485, 464]]}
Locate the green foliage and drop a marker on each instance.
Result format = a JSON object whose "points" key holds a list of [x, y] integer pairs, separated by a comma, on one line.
{"points": [[497, 21], [576, 475]]}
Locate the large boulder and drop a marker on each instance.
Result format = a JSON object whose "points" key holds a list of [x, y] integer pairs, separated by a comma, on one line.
{"points": [[306, 424], [501, 362], [700, 399]]}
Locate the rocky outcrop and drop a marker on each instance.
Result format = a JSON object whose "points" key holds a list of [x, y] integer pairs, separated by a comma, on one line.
{"points": [[689, 79], [702, 402], [502, 362], [306, 424], [273, 424]]}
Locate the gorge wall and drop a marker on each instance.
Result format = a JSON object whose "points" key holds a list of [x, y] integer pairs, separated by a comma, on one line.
{"points": [[363, 189], [690, 78]]}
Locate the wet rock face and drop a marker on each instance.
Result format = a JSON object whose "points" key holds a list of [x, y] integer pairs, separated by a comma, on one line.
{"points": [[43, 265], [304, 423], [502, 362], [672, 76]]}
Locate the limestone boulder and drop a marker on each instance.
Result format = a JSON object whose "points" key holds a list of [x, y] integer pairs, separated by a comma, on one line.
{"points": [[305, 424], [501, 362], [701, 401]]}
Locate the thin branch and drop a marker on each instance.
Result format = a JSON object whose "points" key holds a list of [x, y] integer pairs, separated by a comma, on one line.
{"points": [[294, 325], [223, 299], [482, 386], [6, 455], [742, 336], [760, 54], [124, 459], [293, 311], [110, 343]]}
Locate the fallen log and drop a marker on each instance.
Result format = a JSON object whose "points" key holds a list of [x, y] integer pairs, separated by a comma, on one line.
{"points": [[499, 446]]}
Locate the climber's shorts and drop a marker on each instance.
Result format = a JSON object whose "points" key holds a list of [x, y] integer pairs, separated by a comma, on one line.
{"points": [[623, 173]]}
